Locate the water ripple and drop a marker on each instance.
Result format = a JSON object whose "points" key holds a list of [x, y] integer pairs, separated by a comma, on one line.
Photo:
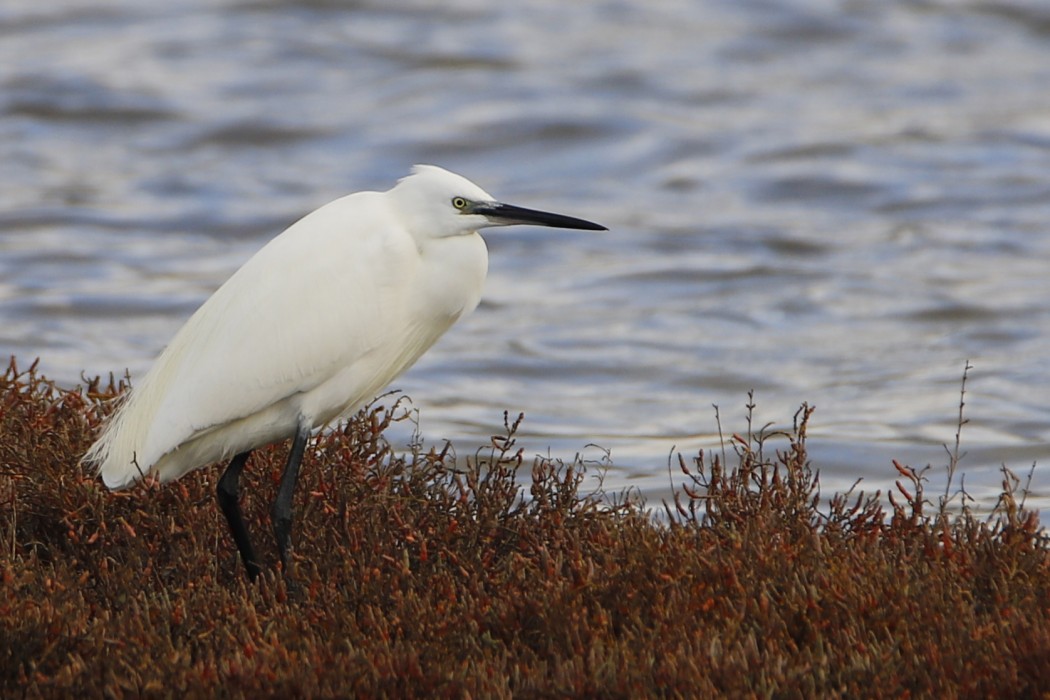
{"points": [[833, 203]]}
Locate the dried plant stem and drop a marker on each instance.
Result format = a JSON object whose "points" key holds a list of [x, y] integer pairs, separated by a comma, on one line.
{"points": [[953, 454]]}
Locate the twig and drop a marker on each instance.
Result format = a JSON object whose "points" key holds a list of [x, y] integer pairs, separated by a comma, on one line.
{"points": [[721, 436], [953, 454]]}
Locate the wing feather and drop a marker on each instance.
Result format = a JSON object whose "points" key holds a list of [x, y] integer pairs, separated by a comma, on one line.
{"points": [[286, 322]]}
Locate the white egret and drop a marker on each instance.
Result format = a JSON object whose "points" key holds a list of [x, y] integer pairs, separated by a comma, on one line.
{"points": [[311, 327]]}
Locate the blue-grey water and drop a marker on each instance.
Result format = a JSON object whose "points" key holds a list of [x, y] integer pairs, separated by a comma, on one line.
{"points": [[832, 202]]}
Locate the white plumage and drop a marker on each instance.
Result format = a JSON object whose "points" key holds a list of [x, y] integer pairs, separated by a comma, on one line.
{"points": [[311, 327]]}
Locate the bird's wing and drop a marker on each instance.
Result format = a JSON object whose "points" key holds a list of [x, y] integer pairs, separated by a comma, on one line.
{"points": [[313, 301]]}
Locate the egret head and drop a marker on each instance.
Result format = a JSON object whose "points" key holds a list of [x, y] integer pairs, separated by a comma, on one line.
{"points": [[436, 204]]}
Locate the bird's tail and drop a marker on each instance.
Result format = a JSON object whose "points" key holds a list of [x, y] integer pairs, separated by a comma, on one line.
{"points": [[114, 456]]}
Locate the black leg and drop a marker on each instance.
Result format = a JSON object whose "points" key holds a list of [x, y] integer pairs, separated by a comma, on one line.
{"points": [[282, 506], [227, 493]]}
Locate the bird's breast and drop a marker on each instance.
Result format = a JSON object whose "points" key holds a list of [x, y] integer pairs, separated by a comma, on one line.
{"points": [[452, 275]]}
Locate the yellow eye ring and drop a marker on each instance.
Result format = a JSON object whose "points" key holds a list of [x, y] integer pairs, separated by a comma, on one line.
{"points": [[459, 203]]}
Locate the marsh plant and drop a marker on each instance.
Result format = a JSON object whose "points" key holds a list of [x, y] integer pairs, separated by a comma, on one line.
{"points": [[423, 574]]}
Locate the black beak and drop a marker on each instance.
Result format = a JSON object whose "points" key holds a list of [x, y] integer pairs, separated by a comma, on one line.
{"points": [[506, 214]]}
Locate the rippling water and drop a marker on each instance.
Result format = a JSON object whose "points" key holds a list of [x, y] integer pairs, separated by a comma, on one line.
{"points": [[832, 202]]}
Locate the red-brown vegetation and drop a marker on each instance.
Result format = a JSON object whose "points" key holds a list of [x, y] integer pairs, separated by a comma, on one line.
{"points": [[425, 576]]}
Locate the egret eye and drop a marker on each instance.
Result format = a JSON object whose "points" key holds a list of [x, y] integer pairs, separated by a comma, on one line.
{"points": [[459, 203]]}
